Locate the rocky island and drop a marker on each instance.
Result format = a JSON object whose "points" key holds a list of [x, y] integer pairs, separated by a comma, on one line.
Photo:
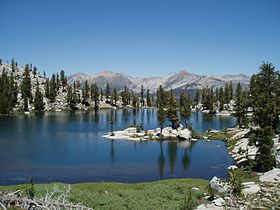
{"points": [[132, 133]]}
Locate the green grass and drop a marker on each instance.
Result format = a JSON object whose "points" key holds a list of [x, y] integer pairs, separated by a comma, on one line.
{"points": [[212, 136], [166, 194]]}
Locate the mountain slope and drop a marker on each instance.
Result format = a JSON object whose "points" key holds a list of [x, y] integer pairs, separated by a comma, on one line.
{"points": [[182, 80]]}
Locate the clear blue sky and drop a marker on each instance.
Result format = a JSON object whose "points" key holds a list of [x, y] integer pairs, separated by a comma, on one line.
{"points": [[141, 37]]}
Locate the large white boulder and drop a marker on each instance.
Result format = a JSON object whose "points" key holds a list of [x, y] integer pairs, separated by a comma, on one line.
{"points": [[250, 188], [241, 145], [271, 176], [240, 134], [184, 134], [165, 132], [130, 130]]}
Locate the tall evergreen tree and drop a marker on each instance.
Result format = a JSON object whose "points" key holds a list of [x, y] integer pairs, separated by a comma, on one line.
{"points": [[107, 91], [142, 96], [26, 87], [161, 117], [125, 96], [263, 90], [14, 90], [197, 97], [263, 95], [161, 97], [94, 92], [134, 100], [149, 103], [185, 107], [6, 104], [53, 88], [240, 106], [38, 99], [85, 93], [230, 87], [63, 80], [264, 158], [221, 99], [172, 113], [57, 82], [115, 96], [227, 93], [101, 94], [47, 88]]}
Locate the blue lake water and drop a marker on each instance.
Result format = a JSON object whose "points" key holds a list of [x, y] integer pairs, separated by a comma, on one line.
{"points": [[69, 147]]}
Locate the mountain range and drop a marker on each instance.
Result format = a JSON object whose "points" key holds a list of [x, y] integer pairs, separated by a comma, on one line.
{"points": [[178, 81]]}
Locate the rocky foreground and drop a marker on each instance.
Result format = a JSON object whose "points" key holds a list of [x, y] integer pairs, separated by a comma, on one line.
{"points": [[261, 191], [134, 134], [264, 193]]}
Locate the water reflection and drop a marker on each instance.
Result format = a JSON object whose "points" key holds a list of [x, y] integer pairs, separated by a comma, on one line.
{"points": [[161, 162], [185, 159], [112, 151], [69, 147]]}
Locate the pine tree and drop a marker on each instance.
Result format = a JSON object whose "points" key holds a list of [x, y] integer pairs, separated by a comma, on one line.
{"points": [[47, 88], [161, 97], [134, 100], [142, 96], [38, 100], [101, 94], [72, 97], [57, 82], [221, 99], [14, 90], [263, 90], [115, 96], [63, 80], [240, 108], [265, 160], [85, 93], [207, 99], [26, 87], [263, 95], [107, 91], [230, 87], [172, 109], [34, 71], [149, 103], [53, 89], [197, 97], [6, 104], [94, 94], [227, 94], [161, 117], [185, 107]]}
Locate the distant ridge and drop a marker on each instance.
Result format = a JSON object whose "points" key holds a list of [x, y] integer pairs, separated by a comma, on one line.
{"points": [[182, 80]]}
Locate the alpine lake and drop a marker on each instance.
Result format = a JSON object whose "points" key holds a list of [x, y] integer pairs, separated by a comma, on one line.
{"points": [[68, 147]]}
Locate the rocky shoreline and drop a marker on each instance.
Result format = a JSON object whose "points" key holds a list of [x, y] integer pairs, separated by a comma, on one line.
{"points": [[261, 191]]}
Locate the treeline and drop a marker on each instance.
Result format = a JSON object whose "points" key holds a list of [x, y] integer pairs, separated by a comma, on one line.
{"points": [[109, 95], [33, 90], [218, 99]]}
